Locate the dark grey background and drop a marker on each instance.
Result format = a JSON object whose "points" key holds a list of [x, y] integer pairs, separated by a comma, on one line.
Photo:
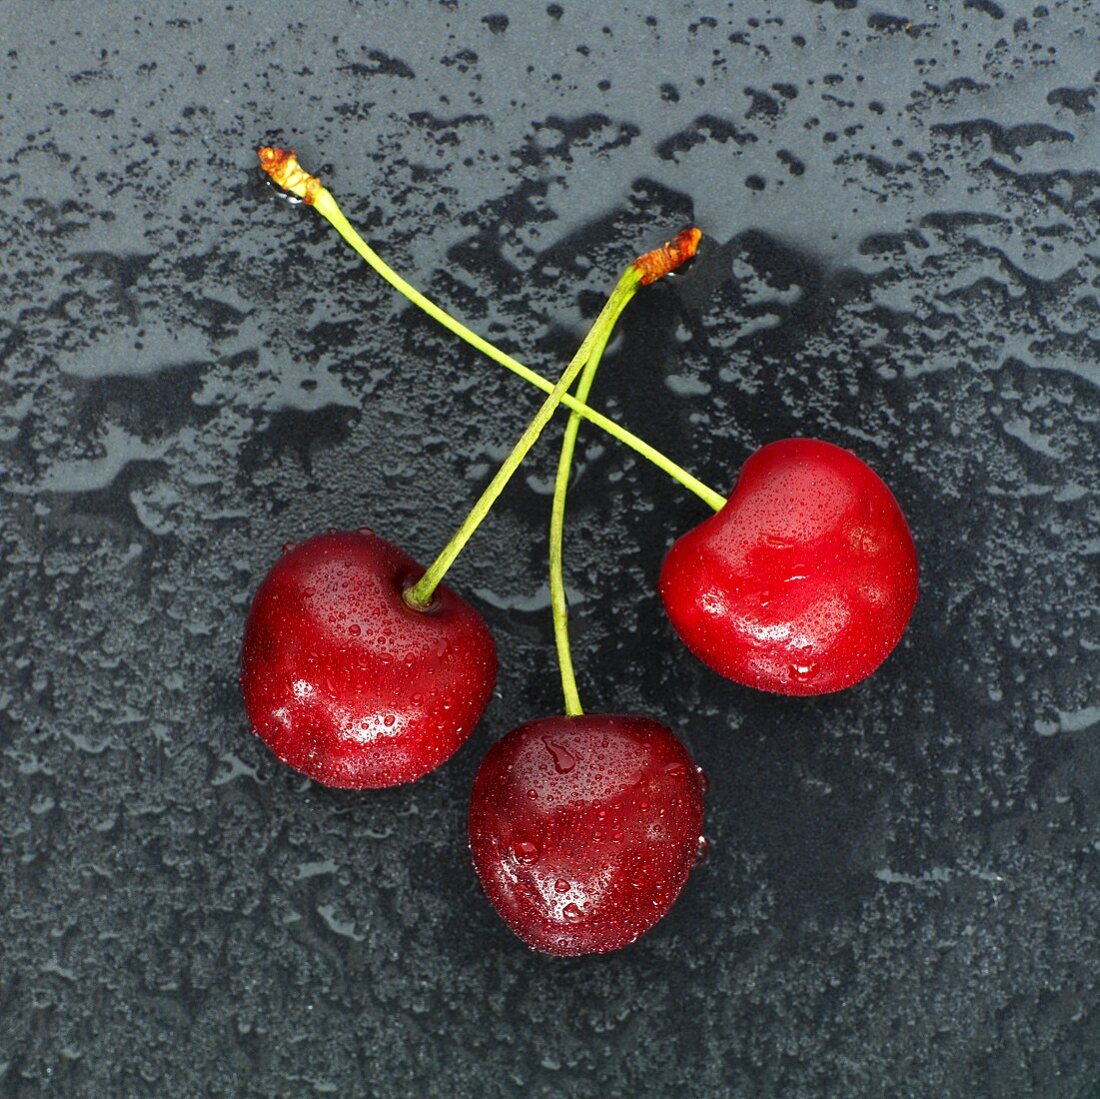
{"points": [[903, 258]]}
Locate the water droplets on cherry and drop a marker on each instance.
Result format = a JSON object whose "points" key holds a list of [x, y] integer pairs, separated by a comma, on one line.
{"points": [[564, 759]]}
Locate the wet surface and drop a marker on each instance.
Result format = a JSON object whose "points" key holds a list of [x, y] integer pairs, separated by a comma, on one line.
{"points": [[903, 215]]}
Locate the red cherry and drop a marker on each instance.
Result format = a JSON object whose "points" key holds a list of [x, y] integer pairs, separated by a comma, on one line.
{"points": [[344, 681], [584, 829], [805, 580]]}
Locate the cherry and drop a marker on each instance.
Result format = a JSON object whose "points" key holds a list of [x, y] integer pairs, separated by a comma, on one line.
{"points": [[348, 683], [584, 829], [805, 580]]}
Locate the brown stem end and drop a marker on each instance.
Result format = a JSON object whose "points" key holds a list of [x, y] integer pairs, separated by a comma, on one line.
{"points": [[658, 263], [283, 167]]}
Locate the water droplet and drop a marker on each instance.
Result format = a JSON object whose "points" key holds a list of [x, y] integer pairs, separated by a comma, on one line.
{"points": [[525, 851], [702, 849], [572, 912], [802, 673], [675, 768], [561, 885], [532, 794], [355, 629], [388, 720], [564, 760]]}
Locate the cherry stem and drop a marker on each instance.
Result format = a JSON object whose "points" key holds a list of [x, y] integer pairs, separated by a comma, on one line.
{"points": [[420, 594], [559, 607], [652, 266], [284, 169]]}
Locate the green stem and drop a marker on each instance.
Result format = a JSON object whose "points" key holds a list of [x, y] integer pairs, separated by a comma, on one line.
{"points": [[326, 206], [420, 595], [559, 608]]}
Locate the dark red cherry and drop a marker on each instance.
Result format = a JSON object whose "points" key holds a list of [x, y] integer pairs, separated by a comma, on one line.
{"points": [[344, 681], [584, 829], [804, 582]]}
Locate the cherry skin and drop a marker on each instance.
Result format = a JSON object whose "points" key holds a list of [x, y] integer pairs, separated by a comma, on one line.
{"points": [[584, 829], [805, 580], [346, 682]]}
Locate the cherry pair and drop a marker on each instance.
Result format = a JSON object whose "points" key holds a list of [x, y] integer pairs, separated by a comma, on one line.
{"points": [[348, 684], [360, 669]]}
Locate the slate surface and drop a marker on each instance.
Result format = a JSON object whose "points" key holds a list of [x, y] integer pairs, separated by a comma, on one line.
{"points": [[903, 206]]}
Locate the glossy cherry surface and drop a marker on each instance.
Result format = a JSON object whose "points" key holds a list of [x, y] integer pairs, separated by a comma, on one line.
{"points": [[804, 582], [347, 683], [584, 829]]}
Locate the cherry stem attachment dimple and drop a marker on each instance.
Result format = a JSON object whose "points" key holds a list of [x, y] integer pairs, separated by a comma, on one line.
{"points": [[420, 594], [283, 167]]}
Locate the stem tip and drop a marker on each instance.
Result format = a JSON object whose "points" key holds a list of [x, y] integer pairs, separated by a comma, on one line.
{"points": [[658, 263], [283, 167]]}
